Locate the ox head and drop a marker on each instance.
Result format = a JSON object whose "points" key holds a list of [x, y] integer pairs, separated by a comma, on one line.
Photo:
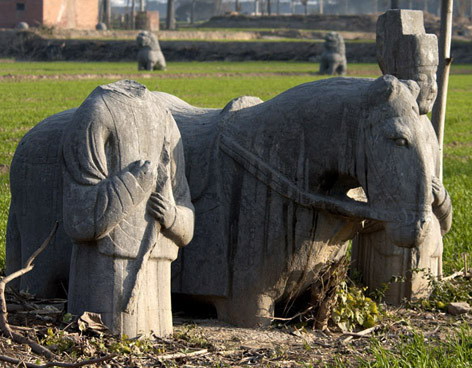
{"points": [[397, 159]]}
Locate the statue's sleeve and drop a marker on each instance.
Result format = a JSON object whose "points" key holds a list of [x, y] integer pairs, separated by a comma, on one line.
{"points": [[443, 212], [95, 199], [181, 231]]}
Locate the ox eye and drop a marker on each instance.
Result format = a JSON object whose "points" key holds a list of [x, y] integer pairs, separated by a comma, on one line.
{"points": [[401, 142]]}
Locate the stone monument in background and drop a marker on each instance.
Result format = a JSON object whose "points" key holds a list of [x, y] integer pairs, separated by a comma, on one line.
{"points": [[333, 59], [406, 51], [150, 56]]}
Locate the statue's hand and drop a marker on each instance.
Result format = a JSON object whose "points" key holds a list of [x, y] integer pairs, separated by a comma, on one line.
{"points": [[161, 209], [142, 171], [439, 192]]}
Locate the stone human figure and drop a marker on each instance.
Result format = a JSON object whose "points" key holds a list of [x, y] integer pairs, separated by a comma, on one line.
{"points": [[150, 56], [333, 59], [126, 206], [406, 51]]}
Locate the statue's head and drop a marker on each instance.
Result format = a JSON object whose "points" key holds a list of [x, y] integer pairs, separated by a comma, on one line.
{"points": [[394, 161], [333, 42], [406, 51], [146, 39]]}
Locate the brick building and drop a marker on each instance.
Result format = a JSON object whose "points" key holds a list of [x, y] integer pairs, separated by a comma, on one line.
{"points": [[78, 14]]}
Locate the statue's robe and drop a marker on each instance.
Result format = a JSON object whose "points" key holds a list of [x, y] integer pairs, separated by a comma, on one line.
{"points": [[105, 207]]}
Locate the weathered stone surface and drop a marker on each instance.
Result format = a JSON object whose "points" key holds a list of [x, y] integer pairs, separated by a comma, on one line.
{"points": [[22, 25], [333, 60], [101, 26], [126, 207], [269, 180], [458, 308], [150, 56], [406, 51]]}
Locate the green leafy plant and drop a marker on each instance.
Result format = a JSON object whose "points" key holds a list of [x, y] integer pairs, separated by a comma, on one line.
{"points": [[353, 309]]}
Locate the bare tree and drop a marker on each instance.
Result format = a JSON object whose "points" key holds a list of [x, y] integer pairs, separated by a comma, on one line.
{"points": [[462, 7], [192, 11], [321, 6], [305, 5], [269, 8], [170, 20], [133, 14], [142, 5], [107, 11]]}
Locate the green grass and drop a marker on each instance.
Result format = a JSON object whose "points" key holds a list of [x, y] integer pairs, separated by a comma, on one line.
{"points": [[25, 102], [418, 352]]}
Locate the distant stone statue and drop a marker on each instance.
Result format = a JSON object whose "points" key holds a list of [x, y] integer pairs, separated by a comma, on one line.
{"points": [[101, 26], [333, 59], [150, 56], [22, 25], [405, 50]]}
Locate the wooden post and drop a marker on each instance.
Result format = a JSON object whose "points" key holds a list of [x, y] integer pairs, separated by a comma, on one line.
{"points": [[445, 60]]}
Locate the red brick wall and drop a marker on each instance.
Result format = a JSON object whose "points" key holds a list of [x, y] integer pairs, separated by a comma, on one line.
{"points": [[78, 14], [86, 14], [10, 16]]}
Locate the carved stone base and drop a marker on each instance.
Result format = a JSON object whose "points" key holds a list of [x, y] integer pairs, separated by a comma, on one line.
{"points": [[92, 275], [405, 271]]}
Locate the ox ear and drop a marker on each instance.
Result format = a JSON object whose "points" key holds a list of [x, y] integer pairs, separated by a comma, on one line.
{"points": [[383, 89], [412, 86]]}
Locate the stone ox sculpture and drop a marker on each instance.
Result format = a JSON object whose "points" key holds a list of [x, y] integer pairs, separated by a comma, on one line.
{"points": [[268, 181], [150, 56]]}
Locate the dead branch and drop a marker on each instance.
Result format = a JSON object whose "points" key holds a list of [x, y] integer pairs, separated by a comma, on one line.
{"points": [[454, 275], [363, 333], [182, 355], [293, 317], [4, 325], [56, 364]]}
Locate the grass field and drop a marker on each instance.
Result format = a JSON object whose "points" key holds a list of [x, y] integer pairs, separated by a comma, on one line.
{"points": [[26, 100], [32, 91]]}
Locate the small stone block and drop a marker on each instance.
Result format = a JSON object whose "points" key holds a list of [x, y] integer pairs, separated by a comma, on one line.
{"points": [[458, 308]]}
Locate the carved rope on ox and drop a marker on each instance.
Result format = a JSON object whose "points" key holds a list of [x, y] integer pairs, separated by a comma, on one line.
{"points": [[285, 187]]}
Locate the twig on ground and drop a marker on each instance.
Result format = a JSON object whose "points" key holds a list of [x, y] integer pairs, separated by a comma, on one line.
{"points": [[363, 333], [182, 355], [454, 275], [4, 325], [293, 317], [56, 364]]}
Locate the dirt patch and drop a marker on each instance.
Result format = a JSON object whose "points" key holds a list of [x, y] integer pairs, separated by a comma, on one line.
{"points": [[208, 342]]}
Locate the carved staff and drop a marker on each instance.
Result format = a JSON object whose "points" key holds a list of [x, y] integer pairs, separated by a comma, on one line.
{"points": [[445, 61], [150, 235]]}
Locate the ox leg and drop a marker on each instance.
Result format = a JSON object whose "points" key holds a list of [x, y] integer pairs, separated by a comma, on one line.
{"points": [[246, 311]]}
